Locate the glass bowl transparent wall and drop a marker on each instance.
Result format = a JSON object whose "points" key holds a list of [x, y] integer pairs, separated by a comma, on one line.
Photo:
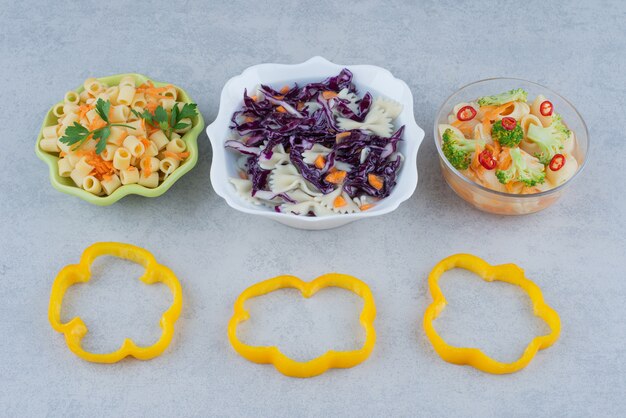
{"points": [[504, 203]]}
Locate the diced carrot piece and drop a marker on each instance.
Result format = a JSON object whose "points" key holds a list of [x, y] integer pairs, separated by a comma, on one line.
{"points": [[279, 97], [253, 98], [300, 106], [375, 181], [341, 135], [284, 90], [320, 162], [339, 202], [367, 206], [249, 119], [328, 94], [281, 109], [336, 177]]}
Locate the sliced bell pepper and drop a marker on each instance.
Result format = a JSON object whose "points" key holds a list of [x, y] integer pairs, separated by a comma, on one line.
{"points": [[509, 273], [75, 329], [316, 366]]}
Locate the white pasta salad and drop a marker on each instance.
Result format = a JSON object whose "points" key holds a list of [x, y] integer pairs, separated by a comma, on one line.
{"points": [[110, 136], [509, 144], [316, 150]]}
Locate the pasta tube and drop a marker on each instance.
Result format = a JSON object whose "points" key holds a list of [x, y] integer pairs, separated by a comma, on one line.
{"points": [[121, 159]]}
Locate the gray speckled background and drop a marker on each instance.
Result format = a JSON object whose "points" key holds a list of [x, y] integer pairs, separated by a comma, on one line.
{"points": [[575, 250]]}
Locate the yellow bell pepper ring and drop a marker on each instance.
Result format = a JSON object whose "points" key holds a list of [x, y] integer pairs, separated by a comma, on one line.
{"points": [[75, 329], [316, 366], [509, 273]]}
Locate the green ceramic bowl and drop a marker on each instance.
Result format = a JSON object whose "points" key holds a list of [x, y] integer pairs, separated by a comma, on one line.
{"points": [[66, 185]]}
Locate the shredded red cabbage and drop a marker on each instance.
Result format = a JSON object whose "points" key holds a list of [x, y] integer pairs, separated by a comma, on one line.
{"points": [[300, 117]]}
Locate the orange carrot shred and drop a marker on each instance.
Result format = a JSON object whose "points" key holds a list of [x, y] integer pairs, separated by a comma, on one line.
{"points": [[509, 186], [281, 109], [491, 113], [122, 138], [151, 106], [177, 156], [147, 171], [97, 123], [366, 206], [101, 168], [328, 94], [83, 109], [284, 90], [144, 141]]}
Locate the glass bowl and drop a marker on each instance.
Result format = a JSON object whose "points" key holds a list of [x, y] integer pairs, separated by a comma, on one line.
{"points": [[506, 203]]}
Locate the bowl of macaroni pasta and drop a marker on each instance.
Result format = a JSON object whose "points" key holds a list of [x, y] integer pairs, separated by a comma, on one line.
{"points": [[120, 135]]}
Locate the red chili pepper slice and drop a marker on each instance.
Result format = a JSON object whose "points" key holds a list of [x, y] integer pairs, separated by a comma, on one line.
{"points": [[546, 108], [486, 159], [509, 123], [466, 113], [557, 162]]}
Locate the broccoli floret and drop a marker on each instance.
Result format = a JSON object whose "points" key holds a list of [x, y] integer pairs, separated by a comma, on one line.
{"points": [[524, 167], [507, 138], [458, 149], [550, 140], [508, 96]]}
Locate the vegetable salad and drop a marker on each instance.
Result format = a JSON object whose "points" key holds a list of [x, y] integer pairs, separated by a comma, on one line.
{"points": [[509, 144], [317, 149]]}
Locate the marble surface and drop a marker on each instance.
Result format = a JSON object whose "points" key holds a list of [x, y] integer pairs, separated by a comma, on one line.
{"points": [[575, 250]]}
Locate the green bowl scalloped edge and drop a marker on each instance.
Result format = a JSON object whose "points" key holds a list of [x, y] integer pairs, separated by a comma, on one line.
{"points": [[65, 184]]}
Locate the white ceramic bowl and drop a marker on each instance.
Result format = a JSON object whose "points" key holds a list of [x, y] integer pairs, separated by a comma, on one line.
{"points": [[376, 80]]}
